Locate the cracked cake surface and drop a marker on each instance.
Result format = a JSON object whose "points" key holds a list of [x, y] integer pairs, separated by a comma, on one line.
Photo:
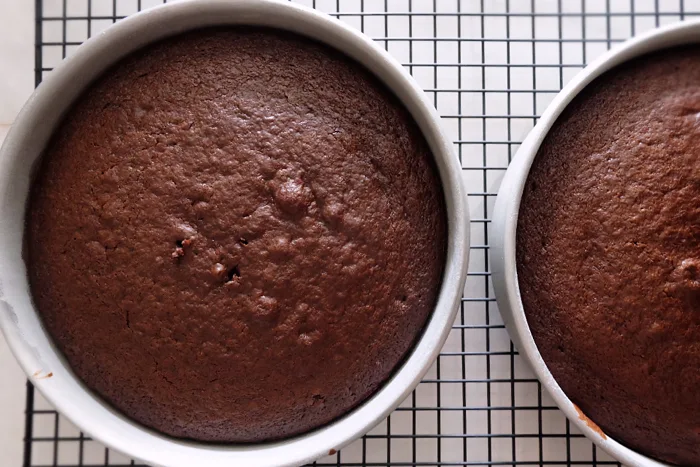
{"points": [[236, 235], [608, 253]]}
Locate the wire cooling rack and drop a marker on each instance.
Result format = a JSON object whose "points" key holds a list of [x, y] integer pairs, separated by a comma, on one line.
{"points": [[490, 68]]}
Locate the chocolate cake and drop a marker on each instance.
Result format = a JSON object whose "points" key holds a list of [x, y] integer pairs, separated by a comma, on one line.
{"points": [[608, 253], [236, 235]]}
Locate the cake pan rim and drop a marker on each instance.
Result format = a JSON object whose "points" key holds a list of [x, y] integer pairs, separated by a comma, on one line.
{"points": [[505, 220], [24, 143]]}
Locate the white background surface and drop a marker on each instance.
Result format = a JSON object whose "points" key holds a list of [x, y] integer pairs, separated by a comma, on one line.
{"points": [[460, 119]]}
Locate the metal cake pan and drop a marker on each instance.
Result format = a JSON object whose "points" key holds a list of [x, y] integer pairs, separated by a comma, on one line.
{"points": [[30, 133], [505, 221]]}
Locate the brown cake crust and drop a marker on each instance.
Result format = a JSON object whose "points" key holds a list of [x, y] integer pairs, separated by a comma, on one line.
{"points": [[608, 253], [236, 235]]}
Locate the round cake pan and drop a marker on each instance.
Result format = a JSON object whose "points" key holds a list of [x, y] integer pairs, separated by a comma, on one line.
{"points": [[505, 220], [29, 135]]}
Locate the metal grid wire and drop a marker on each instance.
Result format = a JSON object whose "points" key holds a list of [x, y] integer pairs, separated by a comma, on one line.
{"points": [[490, 67]]}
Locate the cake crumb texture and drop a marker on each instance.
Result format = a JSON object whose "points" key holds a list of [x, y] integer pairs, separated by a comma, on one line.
{"points": [[236, 235]]}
